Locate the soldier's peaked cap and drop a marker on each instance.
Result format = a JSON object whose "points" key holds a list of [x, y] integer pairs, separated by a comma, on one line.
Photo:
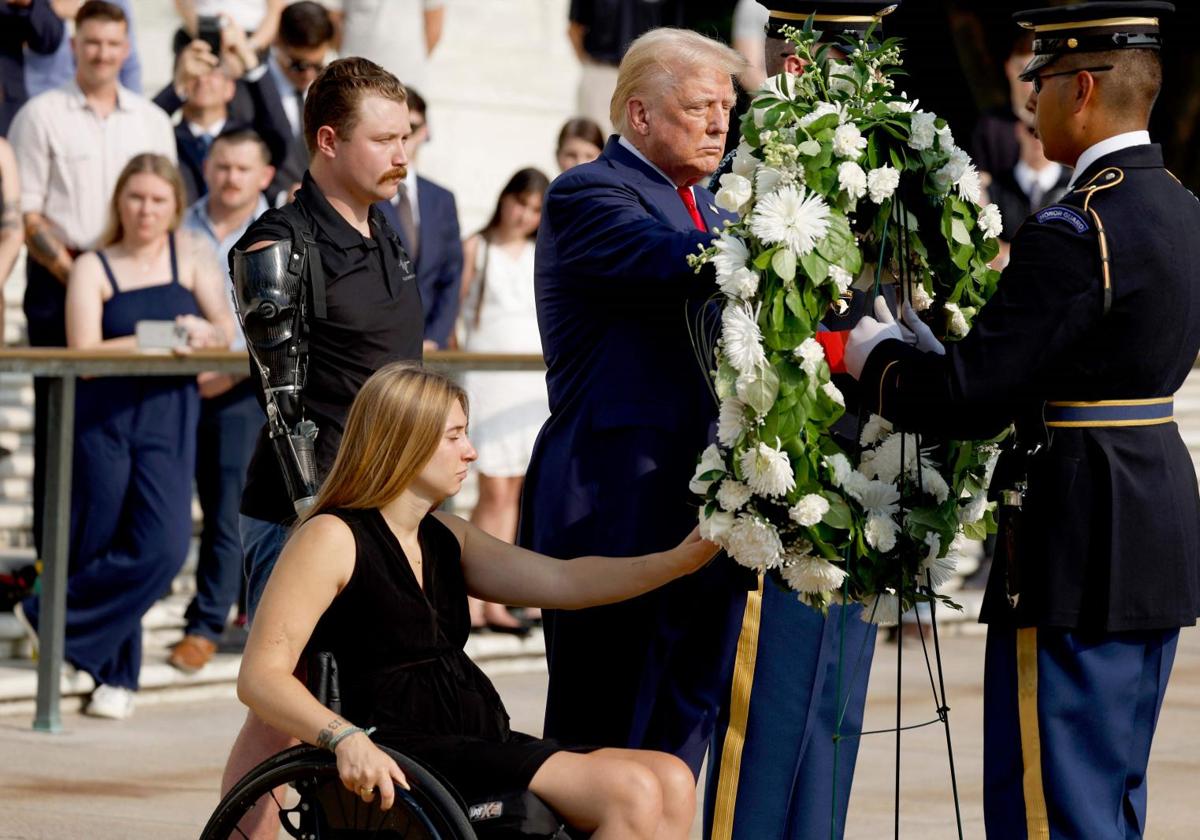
{"points": [[1092, 27], [830, 17]]}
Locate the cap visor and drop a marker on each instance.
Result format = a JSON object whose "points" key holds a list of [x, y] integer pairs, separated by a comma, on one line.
{"points": [[1039, 61]]}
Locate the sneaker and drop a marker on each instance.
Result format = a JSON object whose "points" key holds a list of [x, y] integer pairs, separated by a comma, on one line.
{"points": [[18, 612], [191, 653], [110, 701]]}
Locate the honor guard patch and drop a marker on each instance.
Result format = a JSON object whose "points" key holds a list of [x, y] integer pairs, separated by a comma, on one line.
{"points": [[1067, 215]]}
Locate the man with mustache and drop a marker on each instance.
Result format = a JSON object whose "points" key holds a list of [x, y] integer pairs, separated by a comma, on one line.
{"points": [[355, 123]]}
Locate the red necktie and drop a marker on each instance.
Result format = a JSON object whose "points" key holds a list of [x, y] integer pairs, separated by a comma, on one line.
{"points": [[689, 202]]}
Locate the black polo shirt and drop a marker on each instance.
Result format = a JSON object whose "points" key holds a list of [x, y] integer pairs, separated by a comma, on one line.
{"points": [[374, 317]]}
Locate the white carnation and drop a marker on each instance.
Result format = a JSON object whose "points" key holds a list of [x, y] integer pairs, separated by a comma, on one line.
{"points": [[933, 483], [882, 608], [744, 161], [767, 181], [839, 465], [822, 109], [731, 421], [990, 222], [834, 394], [735, 192], [812, 575], [754, 543], [874, 430], [811, 354], [974, 509], [741, 339], [841, 78], [883, 462], [970, 188], [901, 106], [882, 182], [852, 179], [716, 528], [920, 299], [792, 216], [768, 470], [958, 322], [810, 510], [923, 132], [731, 495], [855, 483], [957, 166], [878, 498], [945, 139], [848, 142], [741, 284], [711, 460], [732, 255], [841, 278], [881, 533]]}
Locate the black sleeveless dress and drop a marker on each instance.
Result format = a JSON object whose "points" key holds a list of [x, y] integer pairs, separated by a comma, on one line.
{"points": [[402, 668]]}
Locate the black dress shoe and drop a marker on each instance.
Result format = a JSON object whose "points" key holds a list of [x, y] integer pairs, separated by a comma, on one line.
{"points": [[519, 630]]}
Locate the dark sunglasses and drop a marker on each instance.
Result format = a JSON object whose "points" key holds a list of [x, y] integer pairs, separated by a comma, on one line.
{"points": [[298, 65], [1037, 80]]}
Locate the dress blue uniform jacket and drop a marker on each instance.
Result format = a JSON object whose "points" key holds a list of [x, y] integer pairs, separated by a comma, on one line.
{"points": [[630, 410], [439, 258]]}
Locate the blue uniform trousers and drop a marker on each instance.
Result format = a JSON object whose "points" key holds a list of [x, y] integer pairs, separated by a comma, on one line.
{"points": [[1068, 721], [229, 425], [131, 517], [782, 783]]}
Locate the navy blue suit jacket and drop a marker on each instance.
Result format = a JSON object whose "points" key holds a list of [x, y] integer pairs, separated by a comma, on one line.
{"points": [[36, 26], [439, 257]]}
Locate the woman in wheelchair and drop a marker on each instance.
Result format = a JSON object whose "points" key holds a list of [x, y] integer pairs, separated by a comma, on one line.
{"points": [[379, 577]]}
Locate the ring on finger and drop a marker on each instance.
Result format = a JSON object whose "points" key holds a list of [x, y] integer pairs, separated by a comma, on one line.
{"points": [[366, 791]]}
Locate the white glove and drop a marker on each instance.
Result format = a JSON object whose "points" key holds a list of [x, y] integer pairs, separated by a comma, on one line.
{"points": [[868, 333], [918, 332]]}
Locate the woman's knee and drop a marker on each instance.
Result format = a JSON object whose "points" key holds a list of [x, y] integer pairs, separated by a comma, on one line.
{"points": [[637, 794], [678, 787]]}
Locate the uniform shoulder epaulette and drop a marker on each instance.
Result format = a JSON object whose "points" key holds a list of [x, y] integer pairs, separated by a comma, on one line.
{"points": [[1105, 179]]}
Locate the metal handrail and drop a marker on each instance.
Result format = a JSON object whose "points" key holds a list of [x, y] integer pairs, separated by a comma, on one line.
{"points": [[63, 367]]}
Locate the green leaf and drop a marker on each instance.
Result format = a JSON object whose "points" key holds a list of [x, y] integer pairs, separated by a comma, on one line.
{"points": [[794, 303], [809, 148], [815, 267], [760, 394], [764, 259], [839, 514], [712, 475], [959, 233], [784, 264]]}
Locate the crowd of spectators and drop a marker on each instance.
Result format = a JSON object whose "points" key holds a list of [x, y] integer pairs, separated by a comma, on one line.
{"points": [[189, 170]]}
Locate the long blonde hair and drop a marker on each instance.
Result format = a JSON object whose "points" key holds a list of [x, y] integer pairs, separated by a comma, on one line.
{"points": [[395, 426], [158, 165]]}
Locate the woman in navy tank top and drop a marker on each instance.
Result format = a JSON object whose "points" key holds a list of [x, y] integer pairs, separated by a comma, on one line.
{"points": [[135, 437]]}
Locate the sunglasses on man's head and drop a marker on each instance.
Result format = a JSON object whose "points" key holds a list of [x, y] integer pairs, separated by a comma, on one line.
{"points": [[1038, 79]]}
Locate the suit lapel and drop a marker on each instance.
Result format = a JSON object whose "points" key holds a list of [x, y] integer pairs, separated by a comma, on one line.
{"points": [[650, 183]]}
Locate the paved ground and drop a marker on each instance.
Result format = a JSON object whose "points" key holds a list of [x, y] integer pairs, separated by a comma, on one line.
{"points": [[155, 776]]}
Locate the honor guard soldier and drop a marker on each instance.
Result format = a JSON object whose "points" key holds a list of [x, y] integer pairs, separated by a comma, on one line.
{"points": [[1092, 330], [775, 770]]}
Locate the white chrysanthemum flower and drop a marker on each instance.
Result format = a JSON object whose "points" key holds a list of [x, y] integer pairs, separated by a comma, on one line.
{"points": [[811, 354], [883, 462], [841, 278], [920, 299], [848, 142], [735, 192], [732, 254], [990, 222], [742, 284], [822, 109], [741, 339], [744, 161], [754, 543], [880, 532], [839, 465], [792, 216], [810, 510], [731, 495], [923, 132], [941, 570], [855, 483], [768, 470], [882, 608], [711, 460], [974, 509], [970, 188], [852, 180], [874, 430], [878, 498], [881, 183], [716, 528], [834, 394], [811, 575], [731, 421], [933, 483], [958, 322]]}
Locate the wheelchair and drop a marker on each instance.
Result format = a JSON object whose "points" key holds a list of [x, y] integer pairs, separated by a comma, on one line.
{"points": [[316, 806]]}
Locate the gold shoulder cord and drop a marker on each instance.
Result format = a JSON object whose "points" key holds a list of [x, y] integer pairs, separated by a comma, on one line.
{"points": [[1105, 179]]}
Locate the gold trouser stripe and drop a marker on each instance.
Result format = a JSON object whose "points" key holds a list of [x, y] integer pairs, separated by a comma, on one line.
{"points": [[1104, 424], [739, 713], [1090, 403], [1093, 24], [1037, 823]]}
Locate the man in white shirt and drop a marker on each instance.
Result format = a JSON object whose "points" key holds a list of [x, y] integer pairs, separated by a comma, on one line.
{"points": [[399, 35], [71, 144]]}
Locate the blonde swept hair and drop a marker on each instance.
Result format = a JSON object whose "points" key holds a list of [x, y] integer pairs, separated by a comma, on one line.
{"points": [[394, 427], [154, 164], [661, 59]]}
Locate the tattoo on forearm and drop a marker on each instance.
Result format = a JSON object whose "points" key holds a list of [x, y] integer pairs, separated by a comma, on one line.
{"points": [[10, 217], [326, 734], [45, 248]]}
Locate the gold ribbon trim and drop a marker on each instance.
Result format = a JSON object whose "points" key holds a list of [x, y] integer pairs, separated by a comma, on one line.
{"points": [[739, 713], [828, 18], [1091, 24], [1037, 823]]}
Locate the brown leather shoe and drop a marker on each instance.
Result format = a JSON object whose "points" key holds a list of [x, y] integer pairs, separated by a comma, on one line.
{"points": [[191, 653]]}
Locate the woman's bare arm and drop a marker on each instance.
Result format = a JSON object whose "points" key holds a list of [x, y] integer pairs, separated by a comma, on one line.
{"points": [[505, 574], [86, 290]]}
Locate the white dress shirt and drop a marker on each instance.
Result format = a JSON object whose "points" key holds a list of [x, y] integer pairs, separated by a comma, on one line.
{"points": [[1107, 147]]}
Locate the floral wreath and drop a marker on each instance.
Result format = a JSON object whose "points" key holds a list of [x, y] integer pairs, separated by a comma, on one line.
{"points": [[834, 165]]}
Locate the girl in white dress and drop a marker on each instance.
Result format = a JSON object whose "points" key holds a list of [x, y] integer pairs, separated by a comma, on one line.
{"points": [[507, 408]]}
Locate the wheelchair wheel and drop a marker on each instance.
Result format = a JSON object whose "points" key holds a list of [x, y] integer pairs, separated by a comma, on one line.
{"points": [[315, 805]]}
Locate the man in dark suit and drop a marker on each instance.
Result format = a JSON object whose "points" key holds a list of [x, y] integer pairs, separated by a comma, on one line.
{"points": [[426, 217], [23, 23], [1091, 331], [205, 115], [631, 407]]}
